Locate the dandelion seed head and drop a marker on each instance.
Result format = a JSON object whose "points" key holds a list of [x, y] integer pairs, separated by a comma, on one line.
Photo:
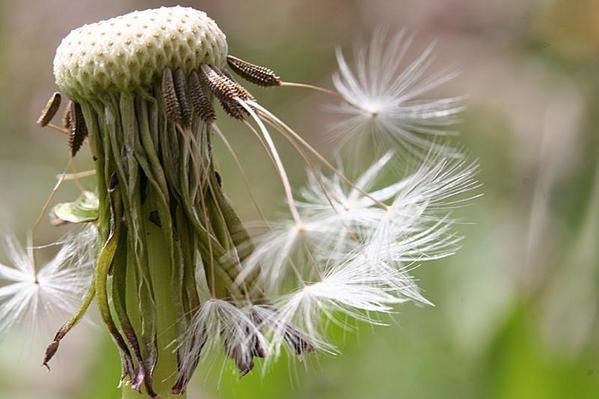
{"points": [[132, 51], [145, 84]]}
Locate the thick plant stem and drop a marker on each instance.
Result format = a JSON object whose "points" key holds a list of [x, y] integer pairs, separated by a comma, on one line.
{"points": [[161, 273]]}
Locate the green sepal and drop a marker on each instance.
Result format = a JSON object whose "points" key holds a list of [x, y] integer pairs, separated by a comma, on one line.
{"points": [[83, 210]]}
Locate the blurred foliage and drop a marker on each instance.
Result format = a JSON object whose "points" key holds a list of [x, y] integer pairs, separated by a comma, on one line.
{"points": [[569, 30]]}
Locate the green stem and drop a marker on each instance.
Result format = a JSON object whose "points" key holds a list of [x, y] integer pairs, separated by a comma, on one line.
{"points": [[167, 312]]}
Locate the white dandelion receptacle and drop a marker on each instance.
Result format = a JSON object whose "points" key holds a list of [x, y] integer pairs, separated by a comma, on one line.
{"points": [[131, 52]]}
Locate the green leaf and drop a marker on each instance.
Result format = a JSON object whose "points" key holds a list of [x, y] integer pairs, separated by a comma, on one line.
{"points": [[83, 210]]}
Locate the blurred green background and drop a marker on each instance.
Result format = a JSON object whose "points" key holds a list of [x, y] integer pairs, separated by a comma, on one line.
{"points": [[516, 311]]}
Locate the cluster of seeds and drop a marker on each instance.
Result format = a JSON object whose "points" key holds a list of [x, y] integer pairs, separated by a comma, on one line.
{"points": [[141, 90], [173, 58]]}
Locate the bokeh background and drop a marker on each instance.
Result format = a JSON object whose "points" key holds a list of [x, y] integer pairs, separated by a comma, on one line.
{"points": [[516, 311]]}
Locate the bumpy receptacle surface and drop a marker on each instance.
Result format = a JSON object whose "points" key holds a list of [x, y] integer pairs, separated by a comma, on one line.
{"points": [[132, 51]]}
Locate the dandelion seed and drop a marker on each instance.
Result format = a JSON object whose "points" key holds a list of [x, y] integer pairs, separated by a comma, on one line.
{"points": [[408, 220], [345, 289], [78, 129], [28, 294], [50, 110], [221, 324], [256, 74], [383, 96]]}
